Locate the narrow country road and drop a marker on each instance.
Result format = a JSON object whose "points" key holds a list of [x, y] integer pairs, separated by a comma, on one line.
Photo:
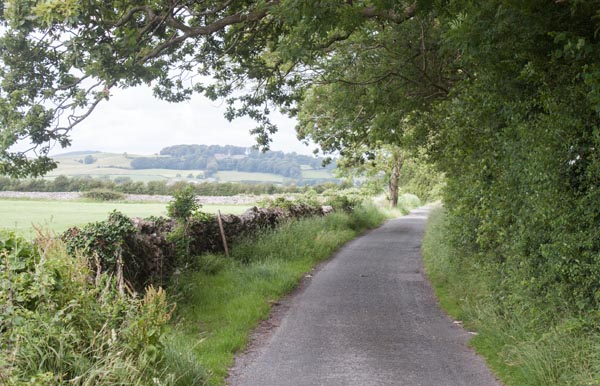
{"points": [[368, 317]]}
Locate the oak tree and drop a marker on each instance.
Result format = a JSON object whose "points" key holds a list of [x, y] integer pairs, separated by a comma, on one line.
{"points": [[60, 58]]}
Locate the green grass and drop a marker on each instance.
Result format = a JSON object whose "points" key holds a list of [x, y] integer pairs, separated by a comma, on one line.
{"points": [[19, 215], [218, 306], [68, 163], [528, 344], [143, 175], [112, 165]]}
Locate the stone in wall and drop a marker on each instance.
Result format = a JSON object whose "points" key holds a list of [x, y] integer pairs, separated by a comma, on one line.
{"points": [[150, 256]]}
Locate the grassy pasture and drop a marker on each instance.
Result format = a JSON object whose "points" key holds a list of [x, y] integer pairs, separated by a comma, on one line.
{"points": [[58, 216], [70, 160], [143, 175], [111, 165]]}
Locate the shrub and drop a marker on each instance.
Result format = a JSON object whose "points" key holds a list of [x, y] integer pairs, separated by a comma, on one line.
{"points": [[61, 324], [89, 159], [184, 208], [408, 201], [309, 199], [103, 195], [343, 202], [183, 205], [103, 243], [277, 202]]}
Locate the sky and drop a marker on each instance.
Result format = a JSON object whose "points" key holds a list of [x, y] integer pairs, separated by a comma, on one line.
{"points": [[134, 121]]}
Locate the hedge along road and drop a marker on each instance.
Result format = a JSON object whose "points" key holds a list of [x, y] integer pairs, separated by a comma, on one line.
{"points": [[368, 317]]}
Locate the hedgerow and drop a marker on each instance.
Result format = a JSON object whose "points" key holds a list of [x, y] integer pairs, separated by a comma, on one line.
{"points": [[103, 195]]}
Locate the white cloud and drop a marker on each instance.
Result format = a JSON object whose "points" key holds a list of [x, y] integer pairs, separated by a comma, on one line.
{"points": [[134, 121]]}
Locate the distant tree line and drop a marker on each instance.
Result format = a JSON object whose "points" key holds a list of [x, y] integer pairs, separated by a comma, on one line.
{"points": [[215, 158], [126, 185]]}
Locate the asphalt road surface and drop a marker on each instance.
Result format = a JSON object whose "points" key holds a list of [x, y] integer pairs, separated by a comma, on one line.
{"points": [[368, 317]]}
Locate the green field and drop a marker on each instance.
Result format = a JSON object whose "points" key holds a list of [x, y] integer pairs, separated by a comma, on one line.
{"points": [[143, 175], [114, 165], [111, 165], [58, 216]]}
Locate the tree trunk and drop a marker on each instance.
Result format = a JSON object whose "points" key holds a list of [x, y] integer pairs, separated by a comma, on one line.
{"points": [[397, 161]]}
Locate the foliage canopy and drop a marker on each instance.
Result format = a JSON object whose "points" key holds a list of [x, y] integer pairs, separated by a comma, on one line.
{"points": [[503, 95], [59, 59]]}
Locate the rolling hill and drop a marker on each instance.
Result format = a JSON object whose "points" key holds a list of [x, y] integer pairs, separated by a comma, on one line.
{"points": [[196, 163]]}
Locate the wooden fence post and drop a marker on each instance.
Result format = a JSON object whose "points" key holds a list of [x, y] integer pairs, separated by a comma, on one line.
{"points": [[222, 233]]}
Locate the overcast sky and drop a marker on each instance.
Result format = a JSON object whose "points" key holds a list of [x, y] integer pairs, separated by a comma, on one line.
{"points": [[134, 121]]}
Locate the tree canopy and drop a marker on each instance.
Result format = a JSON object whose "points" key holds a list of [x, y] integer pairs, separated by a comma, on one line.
{"points": [[60, 58], [185, 157], [504, 96]]}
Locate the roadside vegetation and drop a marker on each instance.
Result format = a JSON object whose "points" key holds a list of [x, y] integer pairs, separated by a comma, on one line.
{"points": [[67, 315], [61, 323], [502, 96], [526, 340], [221, 302]]}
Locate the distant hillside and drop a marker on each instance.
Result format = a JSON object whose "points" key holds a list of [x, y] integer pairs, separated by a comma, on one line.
{"points": [[197, 163], [215, 158], [78, 153]]}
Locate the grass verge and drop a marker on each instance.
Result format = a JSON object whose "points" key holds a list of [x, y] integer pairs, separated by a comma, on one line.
{"points": [[527, 344], [221, 302]]}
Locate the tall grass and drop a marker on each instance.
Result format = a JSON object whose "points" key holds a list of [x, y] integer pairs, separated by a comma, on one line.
{"points": [[225, 299], [529, 344], [406, 203], [62, 325]]}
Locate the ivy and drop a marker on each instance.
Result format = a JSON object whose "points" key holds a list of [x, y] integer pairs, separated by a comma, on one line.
{"points": [[102, 240]]}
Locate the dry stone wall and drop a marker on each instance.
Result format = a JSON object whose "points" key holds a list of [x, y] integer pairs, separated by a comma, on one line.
{"points": [[150, 257]]}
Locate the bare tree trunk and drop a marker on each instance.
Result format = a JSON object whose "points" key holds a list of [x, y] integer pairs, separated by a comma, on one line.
{"points": [[393, 187], [397, 162]]}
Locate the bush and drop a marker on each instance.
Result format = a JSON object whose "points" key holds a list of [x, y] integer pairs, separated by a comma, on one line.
{"points": [[277, 202], [343, 202], [530, 343], [103, 195], [408, 201], [184, 204], [61, 324], [183, 208], [103, 239], [308, 199], [103, 243]]}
